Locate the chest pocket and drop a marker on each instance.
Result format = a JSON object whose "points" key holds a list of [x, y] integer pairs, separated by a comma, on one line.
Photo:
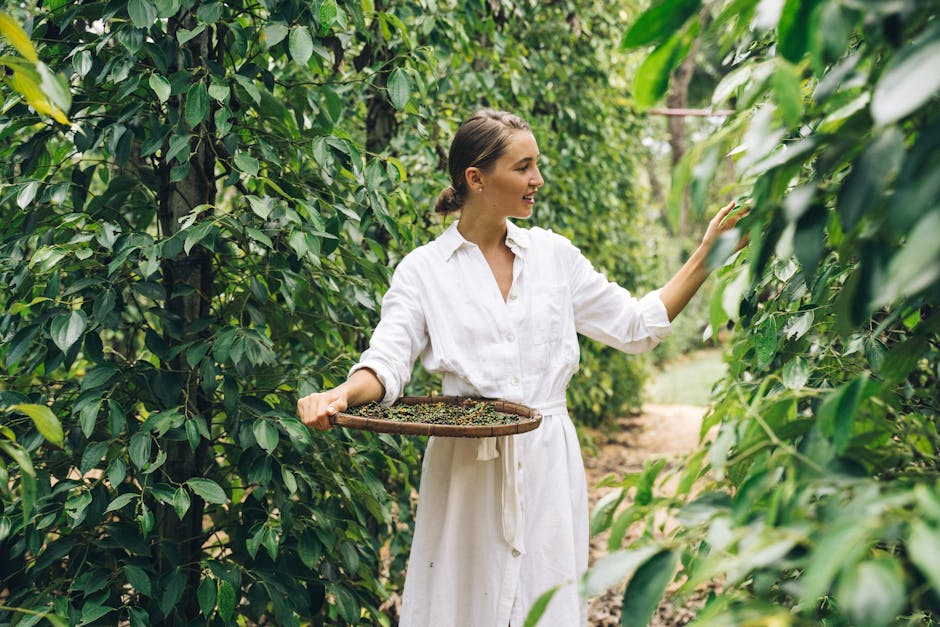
{"points": [[551, 324]]}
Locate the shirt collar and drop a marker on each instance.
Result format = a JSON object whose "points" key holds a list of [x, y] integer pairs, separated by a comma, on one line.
{"points": [[451, 240]]}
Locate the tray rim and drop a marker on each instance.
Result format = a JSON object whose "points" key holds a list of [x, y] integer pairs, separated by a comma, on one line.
{"points": [[529, 419]]}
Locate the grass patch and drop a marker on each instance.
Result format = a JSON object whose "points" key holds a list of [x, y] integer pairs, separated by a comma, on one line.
{"points": [[687, 380]]}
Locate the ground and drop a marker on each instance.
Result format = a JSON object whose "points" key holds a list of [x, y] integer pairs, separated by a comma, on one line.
{"points": [[659, 430]]}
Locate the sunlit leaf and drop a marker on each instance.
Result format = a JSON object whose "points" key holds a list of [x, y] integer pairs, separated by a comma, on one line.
{"points": [[660, 21], [910, 79], [45, 420], [300, 45], [160, 86]]}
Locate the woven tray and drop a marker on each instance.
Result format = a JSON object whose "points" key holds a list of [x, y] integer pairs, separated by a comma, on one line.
{"points": [[528, 419]]}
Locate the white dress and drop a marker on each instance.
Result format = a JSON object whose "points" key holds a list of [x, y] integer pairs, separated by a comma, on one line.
{"points": [[501, 520]]}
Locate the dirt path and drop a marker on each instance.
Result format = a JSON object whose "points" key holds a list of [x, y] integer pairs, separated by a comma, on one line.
{"points": [[660, 430]]}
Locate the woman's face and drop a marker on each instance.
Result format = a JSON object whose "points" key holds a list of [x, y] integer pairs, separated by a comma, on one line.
{"points": [[509, 187]]}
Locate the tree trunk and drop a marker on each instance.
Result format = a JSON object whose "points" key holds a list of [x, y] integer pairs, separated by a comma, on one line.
{"points": [[678, 98], [193, 270]]}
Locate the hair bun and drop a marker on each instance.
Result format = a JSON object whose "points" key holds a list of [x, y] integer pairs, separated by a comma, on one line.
{"points": [[447, 201]]}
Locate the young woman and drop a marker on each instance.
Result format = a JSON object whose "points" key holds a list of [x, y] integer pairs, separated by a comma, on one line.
{"points": [[496, 309]]}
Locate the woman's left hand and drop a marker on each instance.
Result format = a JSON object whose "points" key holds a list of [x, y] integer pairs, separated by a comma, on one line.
{"points": [[725, 220]]}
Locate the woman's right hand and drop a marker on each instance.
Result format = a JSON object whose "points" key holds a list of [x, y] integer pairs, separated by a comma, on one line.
{"points": [[315, 409]]}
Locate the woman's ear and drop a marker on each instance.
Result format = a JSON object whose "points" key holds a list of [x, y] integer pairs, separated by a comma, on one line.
{"points": [[474, 178]]}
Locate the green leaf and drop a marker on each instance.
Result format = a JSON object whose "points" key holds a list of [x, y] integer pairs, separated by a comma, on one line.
{"points": [[160, 86], [88, 417], [614, 568], [206, 595], [652, 79], [604, 509], [300, 45], [138, 578], [910, 80], [765, 343], [181, 502], [872, 593], [265, 435], [923, 548], [308, 548], [67, 328], [327, 15], [139, 449], [18, 38], [916, 266], [197, 104], [208, 489], [226, 600], [121, 501], [787, 91], [660, 21], [92, 455], [796, 373], [843, 543], [646, 588], [538, 608], [46, 422], [209, 12], [347, 603], [92, 612], [793, 28], [27, 194], [837, 413], [875, 167], [246, 163], [399, 88], [274, 33], [143, 13]]}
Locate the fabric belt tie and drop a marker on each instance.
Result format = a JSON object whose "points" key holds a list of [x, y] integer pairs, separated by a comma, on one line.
{"points": [[504, 447]]}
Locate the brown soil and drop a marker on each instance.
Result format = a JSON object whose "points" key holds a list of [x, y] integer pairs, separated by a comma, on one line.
{"points": [[659, 431]]}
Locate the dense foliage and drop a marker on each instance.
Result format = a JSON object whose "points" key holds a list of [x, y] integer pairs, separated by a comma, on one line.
{"points": [[816, 499], [201, 205]]}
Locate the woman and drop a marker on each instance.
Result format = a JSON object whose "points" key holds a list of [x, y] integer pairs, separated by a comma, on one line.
{"points": [[496, 309]]}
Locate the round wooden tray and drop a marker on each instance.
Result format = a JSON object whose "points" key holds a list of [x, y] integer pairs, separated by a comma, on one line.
{"points": [[528, 419]]}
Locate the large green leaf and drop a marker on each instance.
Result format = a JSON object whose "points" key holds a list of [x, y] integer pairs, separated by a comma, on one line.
{"points": [[399, 88], [652, 79], [614, 568], [873, 592], [197, 104], [300, 45], [67, 328], [923, 546], [910, 79], [208, 489], [661, 21], [794, 28], [143, 13], [45, 420], [646, 588]]}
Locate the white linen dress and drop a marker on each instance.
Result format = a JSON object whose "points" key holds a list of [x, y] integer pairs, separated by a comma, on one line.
{"points": [[501, 520]]}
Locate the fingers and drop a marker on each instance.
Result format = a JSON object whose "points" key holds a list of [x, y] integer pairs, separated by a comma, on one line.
{"points": [[315, 410]]}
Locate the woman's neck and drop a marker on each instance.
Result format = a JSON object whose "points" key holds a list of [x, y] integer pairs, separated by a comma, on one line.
{"points": [[486, 232]]}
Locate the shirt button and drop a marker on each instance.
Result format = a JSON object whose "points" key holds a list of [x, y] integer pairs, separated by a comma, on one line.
{"points": [[513, 296], [514, 381], [516, 553], [510, 337]]}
